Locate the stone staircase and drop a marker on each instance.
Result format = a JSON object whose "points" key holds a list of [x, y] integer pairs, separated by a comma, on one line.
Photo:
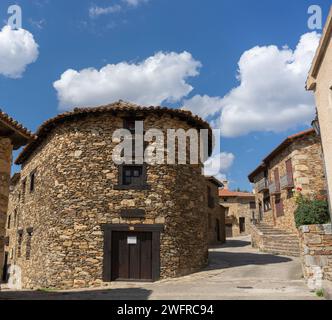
{"points": [[276, 241]]}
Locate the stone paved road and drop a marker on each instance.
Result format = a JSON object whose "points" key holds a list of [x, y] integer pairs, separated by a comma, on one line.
{"points": [[236, 272]]}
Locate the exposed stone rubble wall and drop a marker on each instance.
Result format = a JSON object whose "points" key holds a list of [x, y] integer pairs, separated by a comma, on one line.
{"points": [[236, 208], [308, 172], [316, 254], [5, 165], [74, 195], [216, 215]]}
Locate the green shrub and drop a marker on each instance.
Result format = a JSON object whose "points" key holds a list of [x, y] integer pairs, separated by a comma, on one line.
{"points": [[311, 212]]}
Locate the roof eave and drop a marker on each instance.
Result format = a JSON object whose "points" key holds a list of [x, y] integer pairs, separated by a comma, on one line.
{"points": [[321, 50]]}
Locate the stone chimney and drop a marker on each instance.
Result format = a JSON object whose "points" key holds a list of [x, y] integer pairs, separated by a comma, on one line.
{"points": [[225, 183]]}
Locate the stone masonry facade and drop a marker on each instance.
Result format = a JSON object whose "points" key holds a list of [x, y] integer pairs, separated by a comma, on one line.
{"points": [[216, 215], [316, 254], [303, 154], [238, 206], [56, 237], [6, 149]]}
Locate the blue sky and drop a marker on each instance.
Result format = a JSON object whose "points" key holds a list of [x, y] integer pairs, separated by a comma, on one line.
{"points": [[215, 33]]}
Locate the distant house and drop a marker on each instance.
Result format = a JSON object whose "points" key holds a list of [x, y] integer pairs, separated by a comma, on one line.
{"points": [[320, 82], [240, 209], [12, 136], [216, 213], [296, 164]]}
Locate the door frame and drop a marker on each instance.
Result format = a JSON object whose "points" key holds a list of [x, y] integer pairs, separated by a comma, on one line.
{"points": [[155, 229]]}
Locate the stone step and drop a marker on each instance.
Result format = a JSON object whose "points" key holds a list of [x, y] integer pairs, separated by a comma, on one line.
{"points": [[282, 252]]}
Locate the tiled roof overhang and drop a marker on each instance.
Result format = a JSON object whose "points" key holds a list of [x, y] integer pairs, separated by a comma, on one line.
{"points": [[10, 128], [320, 53], [277, 150], [119, 108]]}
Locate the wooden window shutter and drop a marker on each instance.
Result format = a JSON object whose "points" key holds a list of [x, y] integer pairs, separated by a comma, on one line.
{"points": [[277, 179], [289, 170]]}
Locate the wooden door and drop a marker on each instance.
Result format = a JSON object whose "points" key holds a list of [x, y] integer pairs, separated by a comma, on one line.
{"points": [[5, 269], [218, 233], [242, 225], [131, 256], [229, 231]]}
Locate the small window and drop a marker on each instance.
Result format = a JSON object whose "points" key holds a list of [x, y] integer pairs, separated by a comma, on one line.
{"points": [[28, 244], [15, 218], [267, 204], [129, 124], [24, 186], [32, 182], [20, 240], [252, 205], [9, 221], [132, 177]]}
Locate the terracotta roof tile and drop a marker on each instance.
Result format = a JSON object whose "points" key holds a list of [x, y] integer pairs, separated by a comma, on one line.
{"points": [[278, 149], [4, 117], [229, 193]]}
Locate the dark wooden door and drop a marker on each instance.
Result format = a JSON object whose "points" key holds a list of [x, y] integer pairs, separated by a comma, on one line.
{"points": [[229, 231], [5, 268], [218, 233], [131, 256], [242, 225]]}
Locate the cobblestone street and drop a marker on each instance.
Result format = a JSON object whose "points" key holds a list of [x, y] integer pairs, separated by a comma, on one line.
{"points": [[236, 272]]}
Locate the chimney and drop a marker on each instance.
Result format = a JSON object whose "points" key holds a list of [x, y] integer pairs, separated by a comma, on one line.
{"points": [[225, 183]]}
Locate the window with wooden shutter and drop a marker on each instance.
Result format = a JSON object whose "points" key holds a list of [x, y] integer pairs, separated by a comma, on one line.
{"points": [[277, 179], [289, 170], [279, 206]]}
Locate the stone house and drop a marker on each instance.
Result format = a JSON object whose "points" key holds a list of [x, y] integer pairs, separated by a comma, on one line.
{"points": [[320, 82], [296, 164], [240, 209], [216, 213], [80, 220], [12, 137], [316, 241]]}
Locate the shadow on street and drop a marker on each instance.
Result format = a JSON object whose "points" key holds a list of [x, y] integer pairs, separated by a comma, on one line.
{"points": [[107, 294]]}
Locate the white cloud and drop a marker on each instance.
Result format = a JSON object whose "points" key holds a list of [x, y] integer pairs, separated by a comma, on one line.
{"points": [[159, 78], [18, 49], [218, 165], [271, 94], [96, 11], [204, 106], [135, 3]]}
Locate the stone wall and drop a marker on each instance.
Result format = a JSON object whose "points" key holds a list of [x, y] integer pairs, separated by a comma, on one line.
{"points": [[316, 254], [5, 167], [308, 172], [74, 195], [216, 218], [236, 208]]}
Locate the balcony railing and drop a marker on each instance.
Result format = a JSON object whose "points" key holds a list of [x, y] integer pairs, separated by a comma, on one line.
{"points": [[286, 182], [273, 188], [262, 185]]}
